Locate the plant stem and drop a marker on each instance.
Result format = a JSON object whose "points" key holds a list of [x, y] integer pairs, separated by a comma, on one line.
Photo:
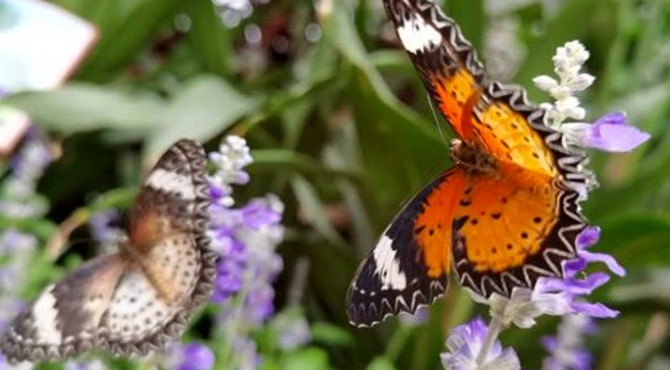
{"points": [[495, 326], [398, 341]]}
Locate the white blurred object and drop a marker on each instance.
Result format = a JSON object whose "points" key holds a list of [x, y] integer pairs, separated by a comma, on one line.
{"points": [[13, 124], [40, 44]]}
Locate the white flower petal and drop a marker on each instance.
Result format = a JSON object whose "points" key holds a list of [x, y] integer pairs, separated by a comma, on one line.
{"points": [[545, 83], [581, 82]]}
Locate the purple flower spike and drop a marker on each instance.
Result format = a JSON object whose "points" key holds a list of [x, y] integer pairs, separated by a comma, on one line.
{"points": [[609, 133], [558, 296], [571, 289], [587, 239], [196, 356], [246, 238], [466, 341], [566, 348]]}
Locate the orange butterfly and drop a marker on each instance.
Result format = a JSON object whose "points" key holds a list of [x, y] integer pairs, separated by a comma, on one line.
{"points": [[504, 215]]}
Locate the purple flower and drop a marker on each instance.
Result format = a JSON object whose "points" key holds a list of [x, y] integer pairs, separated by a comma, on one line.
{"points": [[417, 318], [246, 238], [102, 226], [195, 356], [554, 296], [609, 133], [292, 330], [84, 365], [570, 290], [18, 249], [566, 348], [466, 341]]}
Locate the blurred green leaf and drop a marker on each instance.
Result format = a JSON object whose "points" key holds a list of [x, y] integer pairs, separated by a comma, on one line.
{"points": [[330, 334], [309, 358], [313, 210], [380, 363], [79, 107], [204, 107]]}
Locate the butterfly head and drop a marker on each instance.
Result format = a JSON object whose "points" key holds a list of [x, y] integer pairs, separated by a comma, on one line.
{"points": [[471, 157]]}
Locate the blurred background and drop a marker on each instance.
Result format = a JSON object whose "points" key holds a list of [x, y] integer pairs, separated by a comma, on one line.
{"points": [[341, 130]]}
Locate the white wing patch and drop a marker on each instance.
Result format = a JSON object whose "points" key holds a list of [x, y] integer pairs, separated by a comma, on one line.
{"points": [[417, 35], [136, 310], [44, 314], [171, 182], [387, 265]]}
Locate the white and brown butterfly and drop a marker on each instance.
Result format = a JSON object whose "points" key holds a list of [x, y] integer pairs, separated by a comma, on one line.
{"points": [[136, 300]]}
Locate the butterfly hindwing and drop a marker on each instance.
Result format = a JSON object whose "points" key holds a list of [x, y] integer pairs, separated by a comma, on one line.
{"points": [[410, 263], [136, 300], [507, 234], [65, 318]]}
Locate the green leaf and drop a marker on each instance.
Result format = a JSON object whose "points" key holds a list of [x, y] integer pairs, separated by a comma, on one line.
{"points": [[206, 106], [129, 33], [331, 334], [637, 240], [79, 107], [313, 209], [209, 40], [380, 363], [288, 159], [309, 358]]}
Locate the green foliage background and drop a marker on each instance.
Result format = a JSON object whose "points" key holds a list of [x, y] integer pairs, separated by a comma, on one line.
{"points": [[331, 137]]}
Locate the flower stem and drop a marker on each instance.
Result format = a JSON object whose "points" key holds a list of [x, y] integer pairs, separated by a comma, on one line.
{"points": [[495, 326]]}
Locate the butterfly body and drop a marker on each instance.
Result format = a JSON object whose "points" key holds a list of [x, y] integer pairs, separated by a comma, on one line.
{"points": [[136, 300], [504, 215]]}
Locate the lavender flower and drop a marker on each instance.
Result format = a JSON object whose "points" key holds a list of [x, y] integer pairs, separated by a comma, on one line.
{"points": [[195, 356], [292, 330], [553, 296], [29, 165], [566, 348], [85, 365], [102, 226], [18, 249], [609, 133], [18, 200], [4, 365], [246, 238], [465, 343]]}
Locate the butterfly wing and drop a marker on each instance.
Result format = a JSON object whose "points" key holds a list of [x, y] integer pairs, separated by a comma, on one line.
{"points": [[507, 234], [536, 172], [66, 316], [134, 301], [445, 60], [494, 117], [409, 265], [172, 268]]}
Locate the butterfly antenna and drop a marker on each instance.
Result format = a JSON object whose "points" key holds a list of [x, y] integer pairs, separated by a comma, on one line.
{"points": [[436, 120]]}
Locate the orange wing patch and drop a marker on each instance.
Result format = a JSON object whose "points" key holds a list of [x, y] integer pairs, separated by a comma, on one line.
{"points": [[507, 135], [500, 223], [455, 95], [432, 227]]}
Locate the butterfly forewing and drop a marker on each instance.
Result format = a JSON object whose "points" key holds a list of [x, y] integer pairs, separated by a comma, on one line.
{"points": [[136, 300], [445, 60], [493, 117]]}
